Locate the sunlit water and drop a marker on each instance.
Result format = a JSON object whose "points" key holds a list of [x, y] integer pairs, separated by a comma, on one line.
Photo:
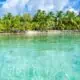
{"points": [[42, 57]]}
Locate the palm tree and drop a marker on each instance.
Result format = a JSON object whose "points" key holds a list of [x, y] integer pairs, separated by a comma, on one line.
{"points": [[58, 20], [50, 20], [40, 18], [70, 20]]}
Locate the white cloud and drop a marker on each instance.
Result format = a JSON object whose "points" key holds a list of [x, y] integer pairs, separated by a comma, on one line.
{"points": [[14, 3], [60, 4], [14, 6], [46, 5], [72, 10], [18, 6]]}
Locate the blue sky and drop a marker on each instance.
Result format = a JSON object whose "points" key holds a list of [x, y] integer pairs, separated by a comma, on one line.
{"points": [[22, 6]]}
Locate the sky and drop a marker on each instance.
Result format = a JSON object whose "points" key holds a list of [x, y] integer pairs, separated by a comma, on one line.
{"points": [[31, 6]]}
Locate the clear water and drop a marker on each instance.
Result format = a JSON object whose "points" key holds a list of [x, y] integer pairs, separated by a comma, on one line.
{"points": [[42, 57]]}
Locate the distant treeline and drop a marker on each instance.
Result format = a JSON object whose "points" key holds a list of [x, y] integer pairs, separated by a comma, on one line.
{"points": [[41, 21]]}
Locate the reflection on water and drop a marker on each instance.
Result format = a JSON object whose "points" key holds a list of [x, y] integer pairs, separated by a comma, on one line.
{"points": [[42, 57], [61, 76]]}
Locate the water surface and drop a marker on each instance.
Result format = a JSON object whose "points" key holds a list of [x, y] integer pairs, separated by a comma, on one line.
{"points": [[42, 57]]}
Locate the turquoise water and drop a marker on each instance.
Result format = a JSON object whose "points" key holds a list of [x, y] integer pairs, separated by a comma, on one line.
{"points": [[42, 57]]}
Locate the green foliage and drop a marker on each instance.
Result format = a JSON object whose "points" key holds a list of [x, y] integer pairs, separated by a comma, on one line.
{"points": [[40, 21]]}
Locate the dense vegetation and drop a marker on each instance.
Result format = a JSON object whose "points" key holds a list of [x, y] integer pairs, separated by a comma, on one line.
{"points": [[40, 21]]}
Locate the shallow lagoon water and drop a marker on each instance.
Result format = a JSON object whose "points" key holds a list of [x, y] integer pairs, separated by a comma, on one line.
{"points": [[41, 57]]}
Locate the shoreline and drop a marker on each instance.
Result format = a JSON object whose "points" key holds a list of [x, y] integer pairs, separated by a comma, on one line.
{"points": [[33, 32]]}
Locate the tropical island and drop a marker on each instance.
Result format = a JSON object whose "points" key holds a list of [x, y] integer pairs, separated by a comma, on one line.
{"points": [[41, 21]]}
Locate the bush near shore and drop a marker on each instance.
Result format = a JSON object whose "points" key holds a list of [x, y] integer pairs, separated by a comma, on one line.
{"points": [[41, 21]]}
